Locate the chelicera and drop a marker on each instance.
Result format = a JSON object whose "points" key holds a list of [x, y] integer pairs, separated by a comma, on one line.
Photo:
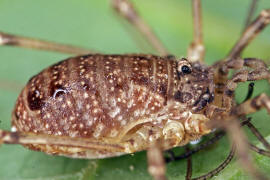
{"points": [[97, 106]]}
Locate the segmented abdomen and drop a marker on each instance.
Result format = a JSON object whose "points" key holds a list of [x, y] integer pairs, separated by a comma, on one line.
{"points": [[95, 96]]}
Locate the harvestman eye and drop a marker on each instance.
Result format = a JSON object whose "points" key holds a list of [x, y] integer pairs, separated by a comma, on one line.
{"points": [[185, 69]]}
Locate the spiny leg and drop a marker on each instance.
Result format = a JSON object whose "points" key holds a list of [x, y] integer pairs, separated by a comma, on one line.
{"points": [[250, 33], [127, 10], [24, 138], [31, 43], [196, 50]]}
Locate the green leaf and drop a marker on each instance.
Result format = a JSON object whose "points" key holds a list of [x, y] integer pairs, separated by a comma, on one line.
{"points": [[93, 24]]}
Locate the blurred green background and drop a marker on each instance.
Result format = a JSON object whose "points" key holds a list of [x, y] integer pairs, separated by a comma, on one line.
{"points": [[92, 24]]}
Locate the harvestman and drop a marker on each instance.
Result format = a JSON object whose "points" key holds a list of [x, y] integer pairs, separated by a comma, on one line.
{"points": [[215, 108]]}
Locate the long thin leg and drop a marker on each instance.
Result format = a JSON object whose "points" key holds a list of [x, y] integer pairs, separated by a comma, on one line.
{"points": [[249, 34], [258, 135], [238, 138], [127, 10], [31, 43], [30, 138], [219, 168], [251, 11], [196, 50], [189, 167], [259, 151]]}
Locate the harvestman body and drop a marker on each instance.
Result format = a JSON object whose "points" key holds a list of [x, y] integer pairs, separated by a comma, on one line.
{"points": [[97, 106], [129, 100]]}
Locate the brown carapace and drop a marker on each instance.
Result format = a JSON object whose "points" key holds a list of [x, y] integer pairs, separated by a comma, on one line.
{"points": [[117, 99]]}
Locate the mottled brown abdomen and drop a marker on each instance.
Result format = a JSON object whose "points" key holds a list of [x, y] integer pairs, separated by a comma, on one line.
{"points": [[93, 96], [127, 100]]}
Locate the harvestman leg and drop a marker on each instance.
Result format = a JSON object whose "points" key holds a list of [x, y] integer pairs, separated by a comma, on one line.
{"points": [[250, 33], [242, 76], [219, 168], [127, 10], [221, 71], [196, 50], [231, 124], [30, 138], [258, 135], [189, 166], [251, 11], [156, 163], [190, 152], [25, 42]]}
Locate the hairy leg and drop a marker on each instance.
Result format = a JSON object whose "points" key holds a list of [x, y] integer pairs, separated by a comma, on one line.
{"points": [[31, 43]]}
